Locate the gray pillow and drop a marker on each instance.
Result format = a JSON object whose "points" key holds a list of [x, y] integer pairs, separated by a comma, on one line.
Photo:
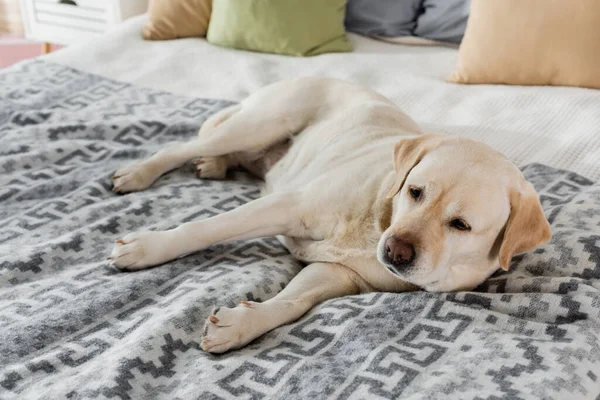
{"points": [[382, 17], [443, 20]]}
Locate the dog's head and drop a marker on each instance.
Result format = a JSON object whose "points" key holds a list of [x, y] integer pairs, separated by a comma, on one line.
{"points": [[459, 210]]}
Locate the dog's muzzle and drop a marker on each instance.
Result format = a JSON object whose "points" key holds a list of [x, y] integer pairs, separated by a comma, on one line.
{"points": [[398, 253]]}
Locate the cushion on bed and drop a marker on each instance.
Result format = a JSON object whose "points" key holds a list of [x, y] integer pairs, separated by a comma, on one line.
{"points": [[534, 42], [174, 19], [293, 27], [409, 21], [443, 20], [388, 18]]}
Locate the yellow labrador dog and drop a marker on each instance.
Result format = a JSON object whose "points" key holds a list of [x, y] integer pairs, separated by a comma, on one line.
{"points": [[355, 190]]}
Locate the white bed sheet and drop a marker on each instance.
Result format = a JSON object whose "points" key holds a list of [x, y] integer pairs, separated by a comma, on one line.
{"points": [[555, 126]]}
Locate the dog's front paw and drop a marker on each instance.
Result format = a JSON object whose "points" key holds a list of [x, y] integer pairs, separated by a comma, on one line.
{"points": [[140, 250], [232, 328], [132, 178]]}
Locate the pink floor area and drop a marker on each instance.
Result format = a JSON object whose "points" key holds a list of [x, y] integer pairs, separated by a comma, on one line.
{"points": [[13, 50]]}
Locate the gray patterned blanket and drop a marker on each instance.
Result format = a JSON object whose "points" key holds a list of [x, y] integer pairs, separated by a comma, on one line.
{"points": [[72, 327]]}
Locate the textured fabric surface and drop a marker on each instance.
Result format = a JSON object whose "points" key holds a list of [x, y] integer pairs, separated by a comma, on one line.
{"points": [[175, 19], [72, 327], [555, 126], [292, 27], [534, 42]]}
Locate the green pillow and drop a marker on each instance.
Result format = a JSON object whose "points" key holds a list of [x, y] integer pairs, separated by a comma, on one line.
{"points": [[294, 27]]}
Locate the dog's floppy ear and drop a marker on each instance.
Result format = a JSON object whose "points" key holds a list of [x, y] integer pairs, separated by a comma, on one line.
{"points": [[527, 226], [407, 154]]}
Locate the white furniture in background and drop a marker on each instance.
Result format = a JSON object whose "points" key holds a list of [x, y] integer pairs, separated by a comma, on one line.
{"points": [[70, 21]]}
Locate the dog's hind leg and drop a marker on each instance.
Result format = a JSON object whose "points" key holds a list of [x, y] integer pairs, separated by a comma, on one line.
{"points": [[140, 175], [246, 128], [215, 167]]}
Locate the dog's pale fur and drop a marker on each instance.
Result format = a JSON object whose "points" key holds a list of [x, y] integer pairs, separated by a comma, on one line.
{"points": [[341, 165]]}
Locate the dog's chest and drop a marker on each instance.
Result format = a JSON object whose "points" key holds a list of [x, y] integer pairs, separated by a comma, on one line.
{"points": [[363, 261]]}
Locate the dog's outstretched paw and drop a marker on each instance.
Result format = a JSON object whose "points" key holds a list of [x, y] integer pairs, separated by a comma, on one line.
{"points": [[210, 167], [231, 328], [132, 178], [138, 251]]}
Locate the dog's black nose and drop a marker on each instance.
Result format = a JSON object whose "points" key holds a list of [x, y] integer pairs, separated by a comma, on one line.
{"points": [[399, 252]]}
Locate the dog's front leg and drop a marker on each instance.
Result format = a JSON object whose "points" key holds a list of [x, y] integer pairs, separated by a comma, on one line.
{"points": [[275, 214], [232, 328]]}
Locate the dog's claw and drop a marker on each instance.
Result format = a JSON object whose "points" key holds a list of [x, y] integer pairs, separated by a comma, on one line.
{"points": [[213, 319], [247, 304], [119, 241]]}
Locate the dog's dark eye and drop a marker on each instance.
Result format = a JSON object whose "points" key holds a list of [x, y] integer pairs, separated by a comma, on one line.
{"points": [[415, 192], [460, 225]]}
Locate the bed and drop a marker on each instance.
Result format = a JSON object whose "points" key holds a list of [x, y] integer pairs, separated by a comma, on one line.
{"points": [[73, 327]]}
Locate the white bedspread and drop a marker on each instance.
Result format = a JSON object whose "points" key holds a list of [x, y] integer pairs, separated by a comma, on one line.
{"points": [[556, 126]]}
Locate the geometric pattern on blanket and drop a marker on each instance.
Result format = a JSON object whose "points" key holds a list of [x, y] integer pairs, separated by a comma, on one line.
{"points": [[73, 327]]}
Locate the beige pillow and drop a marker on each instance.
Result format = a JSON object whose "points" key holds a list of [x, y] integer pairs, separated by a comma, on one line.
{"points": [[172, 19], [531, 42]]}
